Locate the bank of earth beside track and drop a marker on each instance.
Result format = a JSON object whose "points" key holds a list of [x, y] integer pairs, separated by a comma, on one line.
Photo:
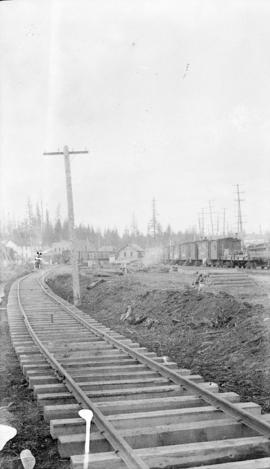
{"points": [[215, 334]]}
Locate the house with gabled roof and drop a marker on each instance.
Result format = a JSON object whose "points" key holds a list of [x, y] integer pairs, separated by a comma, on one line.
{"points": [[129, 253]]}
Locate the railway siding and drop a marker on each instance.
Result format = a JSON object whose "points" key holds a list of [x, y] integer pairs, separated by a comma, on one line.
{"points": [[147, 412]]}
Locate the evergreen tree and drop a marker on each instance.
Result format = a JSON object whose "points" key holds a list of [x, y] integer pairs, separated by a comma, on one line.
{"points": [[58, 232], [48, 236]]}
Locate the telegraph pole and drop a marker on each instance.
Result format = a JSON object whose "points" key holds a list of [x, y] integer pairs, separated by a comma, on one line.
{"points": [[203, 224], [217, 224], [200, 224], [224, 221], [211, 217], [239, 212], [153, 224], [74, 259]]}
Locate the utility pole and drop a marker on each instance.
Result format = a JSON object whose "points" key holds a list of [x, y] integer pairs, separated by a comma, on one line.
{"points": [[217, 224], [224, 221], [203, 224], [239, 212], [211, 217], [200, 224], [153, 224], [74, 258]]}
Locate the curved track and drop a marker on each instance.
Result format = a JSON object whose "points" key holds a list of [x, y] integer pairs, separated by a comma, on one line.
{"points": [[147, 412]]}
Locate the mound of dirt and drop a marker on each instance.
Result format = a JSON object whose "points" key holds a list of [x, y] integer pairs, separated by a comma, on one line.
{"points": [[216, 335]]}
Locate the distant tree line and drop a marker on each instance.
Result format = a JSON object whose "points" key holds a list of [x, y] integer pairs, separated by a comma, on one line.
{"points": [[38, 228]]}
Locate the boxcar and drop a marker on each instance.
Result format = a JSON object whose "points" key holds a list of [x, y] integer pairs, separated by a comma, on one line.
{"points": [[203, 250], [228, 247], [188, 252], [223, 250], [193, 251], [214, 247], [184, 251]]}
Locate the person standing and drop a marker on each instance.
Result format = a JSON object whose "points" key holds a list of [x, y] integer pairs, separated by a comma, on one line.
{"points": [[38, 260]]}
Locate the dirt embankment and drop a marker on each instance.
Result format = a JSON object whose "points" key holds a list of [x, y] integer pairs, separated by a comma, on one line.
{"points": [[216, 335], [18, 408]]}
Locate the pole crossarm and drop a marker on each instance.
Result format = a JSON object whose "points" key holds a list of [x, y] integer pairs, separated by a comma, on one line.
{"points": [[76, 152]]}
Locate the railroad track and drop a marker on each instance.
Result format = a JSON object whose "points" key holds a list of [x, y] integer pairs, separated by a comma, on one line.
{"points": [[147, 412]]}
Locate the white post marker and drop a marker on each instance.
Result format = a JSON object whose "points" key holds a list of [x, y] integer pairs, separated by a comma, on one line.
{"points": [[6, 434], [27, 458], [87, 415]]}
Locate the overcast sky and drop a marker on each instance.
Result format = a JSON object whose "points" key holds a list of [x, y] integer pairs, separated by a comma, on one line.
{"points": [[170, 97]]}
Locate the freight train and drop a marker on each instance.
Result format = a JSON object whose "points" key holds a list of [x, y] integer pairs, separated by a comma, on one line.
{"points": [[221, 252]]}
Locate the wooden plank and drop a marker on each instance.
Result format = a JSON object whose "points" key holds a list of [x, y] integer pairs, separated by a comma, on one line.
{"points": [[178, 402], [170, 416], [62, 411], [129, 421], [155, 436], [263, 463], [54, 412], [145, 393], [183, 456]]}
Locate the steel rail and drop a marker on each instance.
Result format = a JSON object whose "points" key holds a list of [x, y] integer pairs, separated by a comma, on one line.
{"points": [[215, 400], [120, 446]]}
